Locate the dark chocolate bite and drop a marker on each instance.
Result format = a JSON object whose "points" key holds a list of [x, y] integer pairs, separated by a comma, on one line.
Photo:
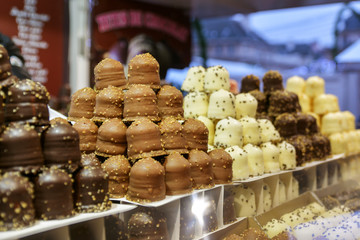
{"points": [[16, 202], [262, 101], [53, 194], [20, 149], [250, 83], [303, 147], [115, 228], [272, 81], [26, 101], [61, 147], [91, 190], [282, 102], [321, 146], [148, 224], [286, 125]]}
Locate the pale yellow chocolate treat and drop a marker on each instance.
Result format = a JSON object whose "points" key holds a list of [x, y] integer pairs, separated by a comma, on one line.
{"points": [[326, 103], [268, 131], [282, 192], [216, 77], [295, 188], [245, 105], [332, 123], [275, 227], [221, 105], [350, 120], [271, 155], [267, 200], [251, 130], [336, 211], [314, 86], [352, 145], [295, 84], [305, 103], [240, 162], [255, 159], [195, 104], [244, 199], [287, 157], [210, 126], [348, 144], [228, 132], [337, 143], [194, 80]]}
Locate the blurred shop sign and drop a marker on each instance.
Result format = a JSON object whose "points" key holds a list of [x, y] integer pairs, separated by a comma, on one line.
{"points": [[40, 29], [123, 29]]}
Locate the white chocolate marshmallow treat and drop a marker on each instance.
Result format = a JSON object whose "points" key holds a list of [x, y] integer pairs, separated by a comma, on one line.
{"points": [[267, 202], [274, 227], [314, 86], [332, 123], [255, 159], [244, 200], [240, 165], [326, 103], [268, 131], [295, 84], [228, 132], [194, 80], [251, 130], [305, 103], [216, 78], [245, 105], [210, 126], [221, 105], [287, 157], [282, 192], [271, 155], [195, 104]]}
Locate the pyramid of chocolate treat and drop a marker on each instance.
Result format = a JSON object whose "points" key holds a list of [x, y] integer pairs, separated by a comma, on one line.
{"points": [[109, 72]]}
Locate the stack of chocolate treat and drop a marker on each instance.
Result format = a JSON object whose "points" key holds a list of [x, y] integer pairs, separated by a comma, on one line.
{"points": [[254, 144], [338, 125], [282, 107], [39, 159]]}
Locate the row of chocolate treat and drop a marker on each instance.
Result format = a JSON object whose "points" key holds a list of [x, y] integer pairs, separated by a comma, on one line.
{"points": [[41, 173], [338, 125], [253, 117]]}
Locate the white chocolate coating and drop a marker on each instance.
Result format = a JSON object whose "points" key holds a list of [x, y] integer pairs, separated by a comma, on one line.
{"points": [[240, 162], [216, 78], [271, 155], [195, 104], [194, 80], [221, 105], [210, 126], [268, 131], [314, 86], [251, 131], [287, 157], [228, 132], [245, 105], [255, 159], [326, 103], [295, 84]]}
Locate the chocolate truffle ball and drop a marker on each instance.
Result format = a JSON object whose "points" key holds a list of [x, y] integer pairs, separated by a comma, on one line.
{"points": [[61, 147], [147, 181], [26, 158], [82, 104], [196, 134], [88, 132], [144, 140], [109, 72], [144, 69], [148, 224], [170, 102], [250, 83], [221, 166], [171, 135], [91, 190], [201, 169], [16, 202], [177, 174], [53, 194], [26, 101], [140, 101], [272, 81], [111, 139], [109, 104], [118, 169]]}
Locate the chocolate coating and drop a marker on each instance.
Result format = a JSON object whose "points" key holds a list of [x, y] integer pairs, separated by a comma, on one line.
{"points": [[29, 156], [82, 104], [249, 83], [148, 224], [111, 139], [109, 72], [16, 202], [228, 207], [115, 228], [171, 135], [144, 139], [91, 190], [196, 134], [177, 174], [282, 102], [59, 120], [88, 132], [261, 99], [26, 101], [53, 195], [147, 181], [144, 69], [5, 66], [108, 104], [286, 125], [170, 102], [221, 166], [303, 148], [201, 169], [272, 81], [61, 147], [321, 146], [89, 160], [140, 101], [118, 169]]}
